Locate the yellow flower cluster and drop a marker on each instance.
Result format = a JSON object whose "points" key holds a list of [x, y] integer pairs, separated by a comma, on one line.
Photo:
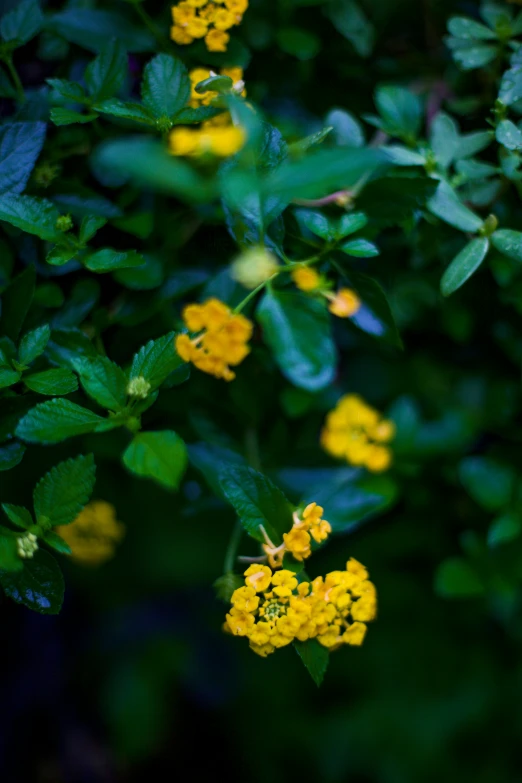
{"points": [[343, 304], [221, 338], [217, 136], [273, 609], [209, 20], [298, 542], [94, 533], [357, 432]]}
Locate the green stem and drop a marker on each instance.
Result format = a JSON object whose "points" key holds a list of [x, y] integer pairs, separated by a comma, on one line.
{"points": [[149, 24], [8, 60], [230, 555], [253, 293]]}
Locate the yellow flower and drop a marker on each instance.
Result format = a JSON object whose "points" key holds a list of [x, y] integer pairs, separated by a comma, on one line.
{"points": [[245, 599], [258, 577], [344, 303], [182, 14], [297, 541], [222, 340], [183, 141], [222, 141], [224, 20], [319, 528], [197, 3], [355, 634], [94, 533], [356, 432], [284, 583], [179, 35], [240, 622], [237, 6], [217, 40], [254, 266], [306, 278], [197, 28]]}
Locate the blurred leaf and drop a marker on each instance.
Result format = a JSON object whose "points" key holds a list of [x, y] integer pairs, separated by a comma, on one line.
{"points": [[62, 493], [511, 86], [210, 460], [21, 144], [490, 483], [297, 328], [464, 265], [39, 586], [348, 18], [108, 260], [455, 578], [22, 23], [165, 88], [16, 300], [56, 420], [504, 529], [401, 111], [104, 76], [462, 27], [257, 501], [315, 658], [508, 242], [347, 130], [34, 215], [11, 455], [158, 455], [447, 206], [444, 138], [94, 29], [374, 315], [509, 135], [360, 248]]}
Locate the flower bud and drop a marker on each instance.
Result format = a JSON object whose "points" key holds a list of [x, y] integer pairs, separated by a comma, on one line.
{"points": [[138, 387], [254, 266]]}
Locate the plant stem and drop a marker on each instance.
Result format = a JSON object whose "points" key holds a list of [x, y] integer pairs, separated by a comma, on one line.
{"points": [[230, 554], [253, 293], [8, 60]]}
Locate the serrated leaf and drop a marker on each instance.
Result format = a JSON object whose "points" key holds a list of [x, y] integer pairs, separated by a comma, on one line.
{"points": [[52, 382], [104, 76], [56, 542], [56, 420], [103, 380], [257, 501], [315, 658], [158, 455], [108, 260], [156, 360], [22, 23], [18, 515], [33, 344], [62, 116], [90, 226], [298, 330], [126, 110], [70, 91], [20, 146], [165, 88], [62, 493], [31, 214], [39, 586], [464, 265], [11, 455]]}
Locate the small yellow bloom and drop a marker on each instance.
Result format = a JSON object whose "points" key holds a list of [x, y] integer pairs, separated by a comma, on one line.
{"points": [[306, 278], [245, 599], [354, 634], [344, 303], [197, 28], [297, 541], [224, 20], [180, 35], [284, 583], [240, 622], [237, 6], [258, 577], [378, 459], [197, 3], [94, 534], [263, 650], [182, 14], [184, 141], [217, 40], [254, 266]]}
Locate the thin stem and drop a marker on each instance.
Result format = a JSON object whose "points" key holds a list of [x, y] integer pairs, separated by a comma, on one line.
{"points": [[230, 555], [150, 25], [8, 60], [253, 293]]}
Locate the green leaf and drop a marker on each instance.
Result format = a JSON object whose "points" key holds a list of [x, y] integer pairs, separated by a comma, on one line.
{"points": [[52, 382], [39, 586], [18, 515], [148, 163], [156, 360], [94, 29], [62, 116], [464, 265], [16, 300], [33, 344], [298, 42], [299, 147], [108, 260], [61, 254], [455, 578], [350, 223], [504, 529], [360, 248], [328, 229], [315, 658], [11, 455], [509, 135], [33, 215], [210, 460], [79, 303], [9, 558], [165, 88], [56, 542], [56, 420], [22, 23], [298, 330], [8, 377], [462, 27], [72, 92], [257, 501], [374, 315], [444, 138], [158, 455], [105, 75], [126, 111], [471, 143], [347, 130], [21, 144], [447, 206], [103, 380], [90, 226], [62, 493], [472, 56], [511, 86], [490, 483], [348, 19], [401, 111], [508, 242]]}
